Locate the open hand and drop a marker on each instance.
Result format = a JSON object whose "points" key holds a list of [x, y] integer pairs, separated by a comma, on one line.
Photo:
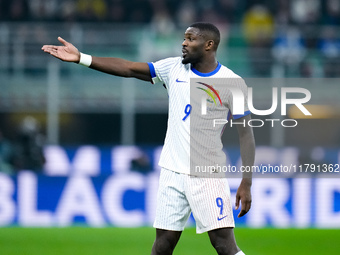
{"points": [[68, 52]]}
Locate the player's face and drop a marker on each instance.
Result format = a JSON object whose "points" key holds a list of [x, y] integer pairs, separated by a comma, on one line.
{"points": [[192, 46]]}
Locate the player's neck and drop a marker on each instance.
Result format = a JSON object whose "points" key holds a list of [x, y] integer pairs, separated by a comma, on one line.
{"points": [[206, 66]]}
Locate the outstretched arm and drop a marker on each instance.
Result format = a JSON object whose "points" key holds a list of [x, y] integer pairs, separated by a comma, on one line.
{"points": [[247, 148], [115, 66]]}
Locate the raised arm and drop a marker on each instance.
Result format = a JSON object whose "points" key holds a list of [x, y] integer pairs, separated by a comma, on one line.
{"points": [[115, 66], [247, 149]]}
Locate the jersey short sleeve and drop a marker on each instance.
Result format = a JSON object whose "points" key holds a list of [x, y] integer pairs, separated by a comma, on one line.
{"points": [[240, 87], [160, 70]]}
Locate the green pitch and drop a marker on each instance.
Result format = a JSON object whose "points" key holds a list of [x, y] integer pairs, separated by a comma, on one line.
{"points": [[101, 241]]}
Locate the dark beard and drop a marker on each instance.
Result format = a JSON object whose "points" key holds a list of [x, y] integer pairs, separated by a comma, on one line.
{"points": [[185, 61], [189, 61]]}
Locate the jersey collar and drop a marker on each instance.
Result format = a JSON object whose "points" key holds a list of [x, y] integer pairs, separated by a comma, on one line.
{"points": [[207, 74]]}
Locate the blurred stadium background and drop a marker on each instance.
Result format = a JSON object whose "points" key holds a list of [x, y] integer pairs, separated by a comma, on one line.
{"points": [[78, 147]]}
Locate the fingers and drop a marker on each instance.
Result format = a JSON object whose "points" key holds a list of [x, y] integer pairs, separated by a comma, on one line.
{"points": [[244, 208], [49, 48], [237, 202], [242, 212], [62, 41], [53, 53]]}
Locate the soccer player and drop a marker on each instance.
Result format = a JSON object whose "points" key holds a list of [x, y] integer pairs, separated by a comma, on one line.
{"points": [[181, 192]]}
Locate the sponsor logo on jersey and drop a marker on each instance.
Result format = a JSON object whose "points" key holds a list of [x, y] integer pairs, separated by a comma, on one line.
{"points": [[177, 80]]}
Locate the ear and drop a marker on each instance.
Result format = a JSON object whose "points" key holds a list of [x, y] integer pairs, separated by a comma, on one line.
{"points": [[209, 45]]}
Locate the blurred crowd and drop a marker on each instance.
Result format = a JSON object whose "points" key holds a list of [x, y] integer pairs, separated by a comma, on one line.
{"points": [[178, 11], [283, 31], [290, 34]]}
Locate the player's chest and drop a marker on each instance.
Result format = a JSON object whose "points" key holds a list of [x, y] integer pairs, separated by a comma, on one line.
{"points": [[179, 84]]}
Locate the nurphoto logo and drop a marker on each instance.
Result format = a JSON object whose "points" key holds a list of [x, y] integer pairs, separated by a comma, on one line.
{"points": [[240, 100]]}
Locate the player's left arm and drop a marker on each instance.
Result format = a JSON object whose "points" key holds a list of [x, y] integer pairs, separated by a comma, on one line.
{"points": [[247, 149]]}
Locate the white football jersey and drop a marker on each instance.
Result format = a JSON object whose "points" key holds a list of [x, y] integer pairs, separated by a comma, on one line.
{"points": [[206, 142]]}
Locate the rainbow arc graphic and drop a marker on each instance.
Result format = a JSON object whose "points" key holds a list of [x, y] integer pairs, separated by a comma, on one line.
{"points": [[210, 91]]}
